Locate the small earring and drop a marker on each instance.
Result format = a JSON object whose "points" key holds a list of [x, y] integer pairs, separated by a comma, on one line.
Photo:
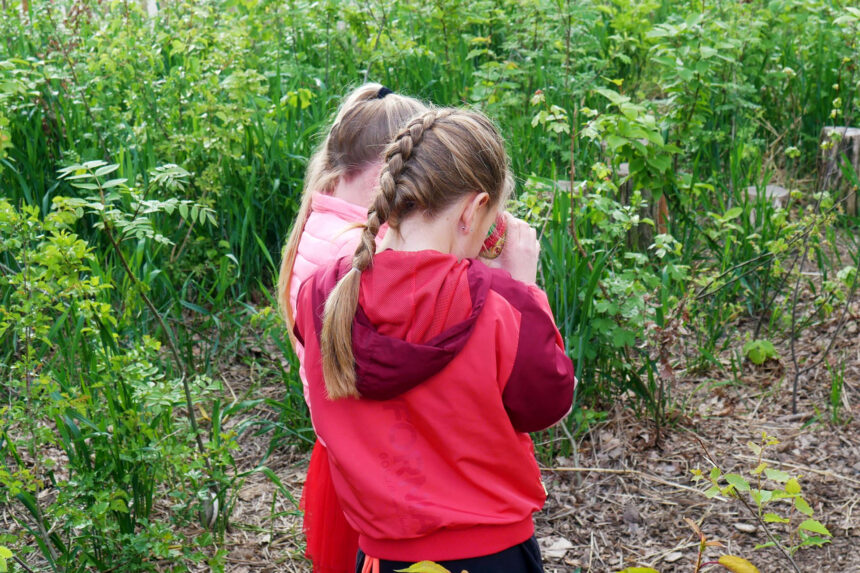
{"points": [[462, 227]]}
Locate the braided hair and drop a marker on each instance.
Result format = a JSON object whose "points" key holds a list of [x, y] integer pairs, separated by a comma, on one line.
{"points": [[437, 158], [360, 132]]}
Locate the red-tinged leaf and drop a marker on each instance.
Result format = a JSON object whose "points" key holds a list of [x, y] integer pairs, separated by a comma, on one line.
{"points": [[695, 528]]}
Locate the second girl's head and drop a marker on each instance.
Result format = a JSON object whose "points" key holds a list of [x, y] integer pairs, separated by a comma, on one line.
{"points": [[367, 120], [442, 158]]}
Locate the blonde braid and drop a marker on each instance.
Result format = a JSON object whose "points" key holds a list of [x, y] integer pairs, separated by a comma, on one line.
{"points": [[419, 173], [336, 340]]}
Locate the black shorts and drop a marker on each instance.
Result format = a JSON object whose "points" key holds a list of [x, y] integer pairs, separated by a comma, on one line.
{"points": [[522, 558]]}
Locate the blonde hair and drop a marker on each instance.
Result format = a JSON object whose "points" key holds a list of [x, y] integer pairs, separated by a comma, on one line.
{"points": [[436, 159], [363, 126]]}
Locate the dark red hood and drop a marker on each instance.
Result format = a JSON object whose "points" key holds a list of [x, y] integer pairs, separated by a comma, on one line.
{"points": [[416, 312]]}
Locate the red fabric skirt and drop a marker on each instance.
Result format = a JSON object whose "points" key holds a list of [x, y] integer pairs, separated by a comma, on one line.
{"points": [[332, 544]]}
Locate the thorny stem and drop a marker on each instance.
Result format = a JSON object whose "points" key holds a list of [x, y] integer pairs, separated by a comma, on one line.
{"points": [[22, 564], [382, 23], [793, 334], [753, 512], [168, 333], [700, 557], [46, 537], [842, 320], [769, 303]]}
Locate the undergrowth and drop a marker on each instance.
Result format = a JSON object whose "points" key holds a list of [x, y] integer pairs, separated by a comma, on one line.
{"points": [[151, 166]]}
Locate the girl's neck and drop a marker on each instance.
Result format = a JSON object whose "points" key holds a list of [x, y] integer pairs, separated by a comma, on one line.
{"points": [[361, 187], [419, 233]]}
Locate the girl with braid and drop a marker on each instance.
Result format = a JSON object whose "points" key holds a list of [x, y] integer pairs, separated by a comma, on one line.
{"points": [[339, 186], [427, 369]]}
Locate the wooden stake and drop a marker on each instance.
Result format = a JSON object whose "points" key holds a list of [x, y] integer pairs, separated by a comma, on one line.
{"points": [[833, 153]]}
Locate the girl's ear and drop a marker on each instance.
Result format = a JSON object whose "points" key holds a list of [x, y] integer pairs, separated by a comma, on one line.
{"points": [[471, 210]]}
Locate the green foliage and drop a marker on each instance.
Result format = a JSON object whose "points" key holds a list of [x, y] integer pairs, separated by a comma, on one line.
{"points": [[760, 351], [837, 381], [5, 555], [151, 169], [769, 488]]}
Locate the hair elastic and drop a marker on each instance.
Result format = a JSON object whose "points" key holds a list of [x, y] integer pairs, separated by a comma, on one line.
{"points": [[383, 91]]}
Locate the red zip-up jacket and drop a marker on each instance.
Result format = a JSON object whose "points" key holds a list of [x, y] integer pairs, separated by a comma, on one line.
{"points": [[455, 363]]}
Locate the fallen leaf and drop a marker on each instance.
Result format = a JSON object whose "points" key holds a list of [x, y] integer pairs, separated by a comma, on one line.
{"points": [[745, 527], [672, 557], [555, 547]]}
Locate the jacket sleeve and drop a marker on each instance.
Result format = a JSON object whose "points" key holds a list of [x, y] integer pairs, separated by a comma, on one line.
{"points": [[539, 390]]}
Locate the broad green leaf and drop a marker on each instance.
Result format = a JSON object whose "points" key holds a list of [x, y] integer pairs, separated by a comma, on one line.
{"points": [[814, 541], [712, 491], [612, 96], [733, 213], [761, 496], [614, 142], [815, 527], [802, 506], [113, 183], [119, 505], [87, 186], [737, 564], [792, 486], [105, 169], [774, 518], [715, 474], [424, 567], [5, 553], [776, 475], [739, 482], [759, 468], [661, 163]]}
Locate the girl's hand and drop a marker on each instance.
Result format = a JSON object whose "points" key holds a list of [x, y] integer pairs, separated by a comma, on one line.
{"points": [[521, 251]]}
